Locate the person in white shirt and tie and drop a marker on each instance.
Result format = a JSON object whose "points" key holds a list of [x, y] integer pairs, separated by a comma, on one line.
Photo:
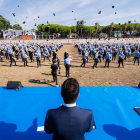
{"points": [[67, 64]]}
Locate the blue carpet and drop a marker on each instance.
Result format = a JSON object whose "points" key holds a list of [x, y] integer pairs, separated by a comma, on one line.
{"points": [[21, 112]]}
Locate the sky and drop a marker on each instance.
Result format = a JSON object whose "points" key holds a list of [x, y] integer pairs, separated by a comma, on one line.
{"points": [[87, 10]]}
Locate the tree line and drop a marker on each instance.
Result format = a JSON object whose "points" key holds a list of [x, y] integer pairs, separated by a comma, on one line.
{"points": [[88, 31], [5, 24], [80, 28]]}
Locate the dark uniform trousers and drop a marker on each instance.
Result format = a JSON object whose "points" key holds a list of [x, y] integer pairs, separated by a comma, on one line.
{"points": [[38, 61], [25, 61], [107, 62], [95, 63], [84, 62], [12, 60], [54, 74], [136, 58], [120, 61], [67, 70]]}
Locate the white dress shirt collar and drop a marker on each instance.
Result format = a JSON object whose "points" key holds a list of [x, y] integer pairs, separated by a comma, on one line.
{"points": [[69, 105]]}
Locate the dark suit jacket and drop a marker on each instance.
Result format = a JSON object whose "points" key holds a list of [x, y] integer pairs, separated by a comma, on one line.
{"points": [[68, 123]]}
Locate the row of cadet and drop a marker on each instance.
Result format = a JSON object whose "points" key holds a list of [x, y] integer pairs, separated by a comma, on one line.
{"points": [[108, 51], [13, 51]]}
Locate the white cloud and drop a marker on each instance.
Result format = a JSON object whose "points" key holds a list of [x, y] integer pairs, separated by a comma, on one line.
{"points": [[83, 3]]}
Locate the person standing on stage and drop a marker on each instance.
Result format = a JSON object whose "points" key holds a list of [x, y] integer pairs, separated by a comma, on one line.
{"points": [[69, 122], [108, 58], [137, 55], [67, 64], [95, 60], [54, 68], [121, 58]]}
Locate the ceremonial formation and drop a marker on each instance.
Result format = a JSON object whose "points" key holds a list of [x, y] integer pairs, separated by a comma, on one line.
{"points": [[108, 52], [27, 51], [34, 52]]}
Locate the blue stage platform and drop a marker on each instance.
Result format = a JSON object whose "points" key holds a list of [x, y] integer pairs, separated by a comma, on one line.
{"points": [[21, 112]]}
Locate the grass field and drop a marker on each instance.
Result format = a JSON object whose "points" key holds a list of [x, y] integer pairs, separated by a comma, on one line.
{"points": [[33, 76]]}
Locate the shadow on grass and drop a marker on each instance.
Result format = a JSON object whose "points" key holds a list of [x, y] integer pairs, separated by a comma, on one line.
{"points": [[50, 74], [39, 82], [73, 66], [18, 65]]}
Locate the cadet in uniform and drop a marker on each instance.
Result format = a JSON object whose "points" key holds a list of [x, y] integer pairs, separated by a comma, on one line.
{"points": [[66, 54], [24, 55], [95, 60], [31, 54], [84, 60], [121, 58], [54, 68], [137, 55], [67, 65], [108, 57], [38, 57], [12, 59]]}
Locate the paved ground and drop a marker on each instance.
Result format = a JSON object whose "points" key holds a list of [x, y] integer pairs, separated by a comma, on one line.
{"points": [[33, 76]]}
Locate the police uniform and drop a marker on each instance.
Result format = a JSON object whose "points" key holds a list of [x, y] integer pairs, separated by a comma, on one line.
{"points": [[38, 55], [84, 60], [137, 55], [121, 58], [54, 68], [12, 59], [65, 54], [24, 55], [108, 57], [95, 60], [67, 65]]}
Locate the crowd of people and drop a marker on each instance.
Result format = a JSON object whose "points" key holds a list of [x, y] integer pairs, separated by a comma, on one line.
{"points": [[13, 51], [27, 52], [97, 51], [108, 52]]}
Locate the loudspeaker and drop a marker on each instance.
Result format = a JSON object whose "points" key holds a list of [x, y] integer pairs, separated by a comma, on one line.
{"points": [[139, 85], [14, 85]]}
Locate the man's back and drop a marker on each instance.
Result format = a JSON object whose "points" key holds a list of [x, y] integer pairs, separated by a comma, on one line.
{"points": [[54, 68], [68, 123]]}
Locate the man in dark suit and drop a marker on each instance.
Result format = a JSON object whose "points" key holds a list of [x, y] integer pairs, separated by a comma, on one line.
{"points": [[69, 122]]}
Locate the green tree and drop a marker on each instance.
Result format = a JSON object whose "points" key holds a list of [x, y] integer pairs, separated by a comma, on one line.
{"points": [[73, 29], [136, 27], [39, 27], [17, 27], [4, 24], [78, 26], [130, 28], [88, 31], [96, 27], [111, 27], [125, 27], [81, 26]]}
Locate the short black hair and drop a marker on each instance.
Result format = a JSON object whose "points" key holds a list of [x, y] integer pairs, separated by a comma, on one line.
{"points": [[70, 90], [54, 61]]}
